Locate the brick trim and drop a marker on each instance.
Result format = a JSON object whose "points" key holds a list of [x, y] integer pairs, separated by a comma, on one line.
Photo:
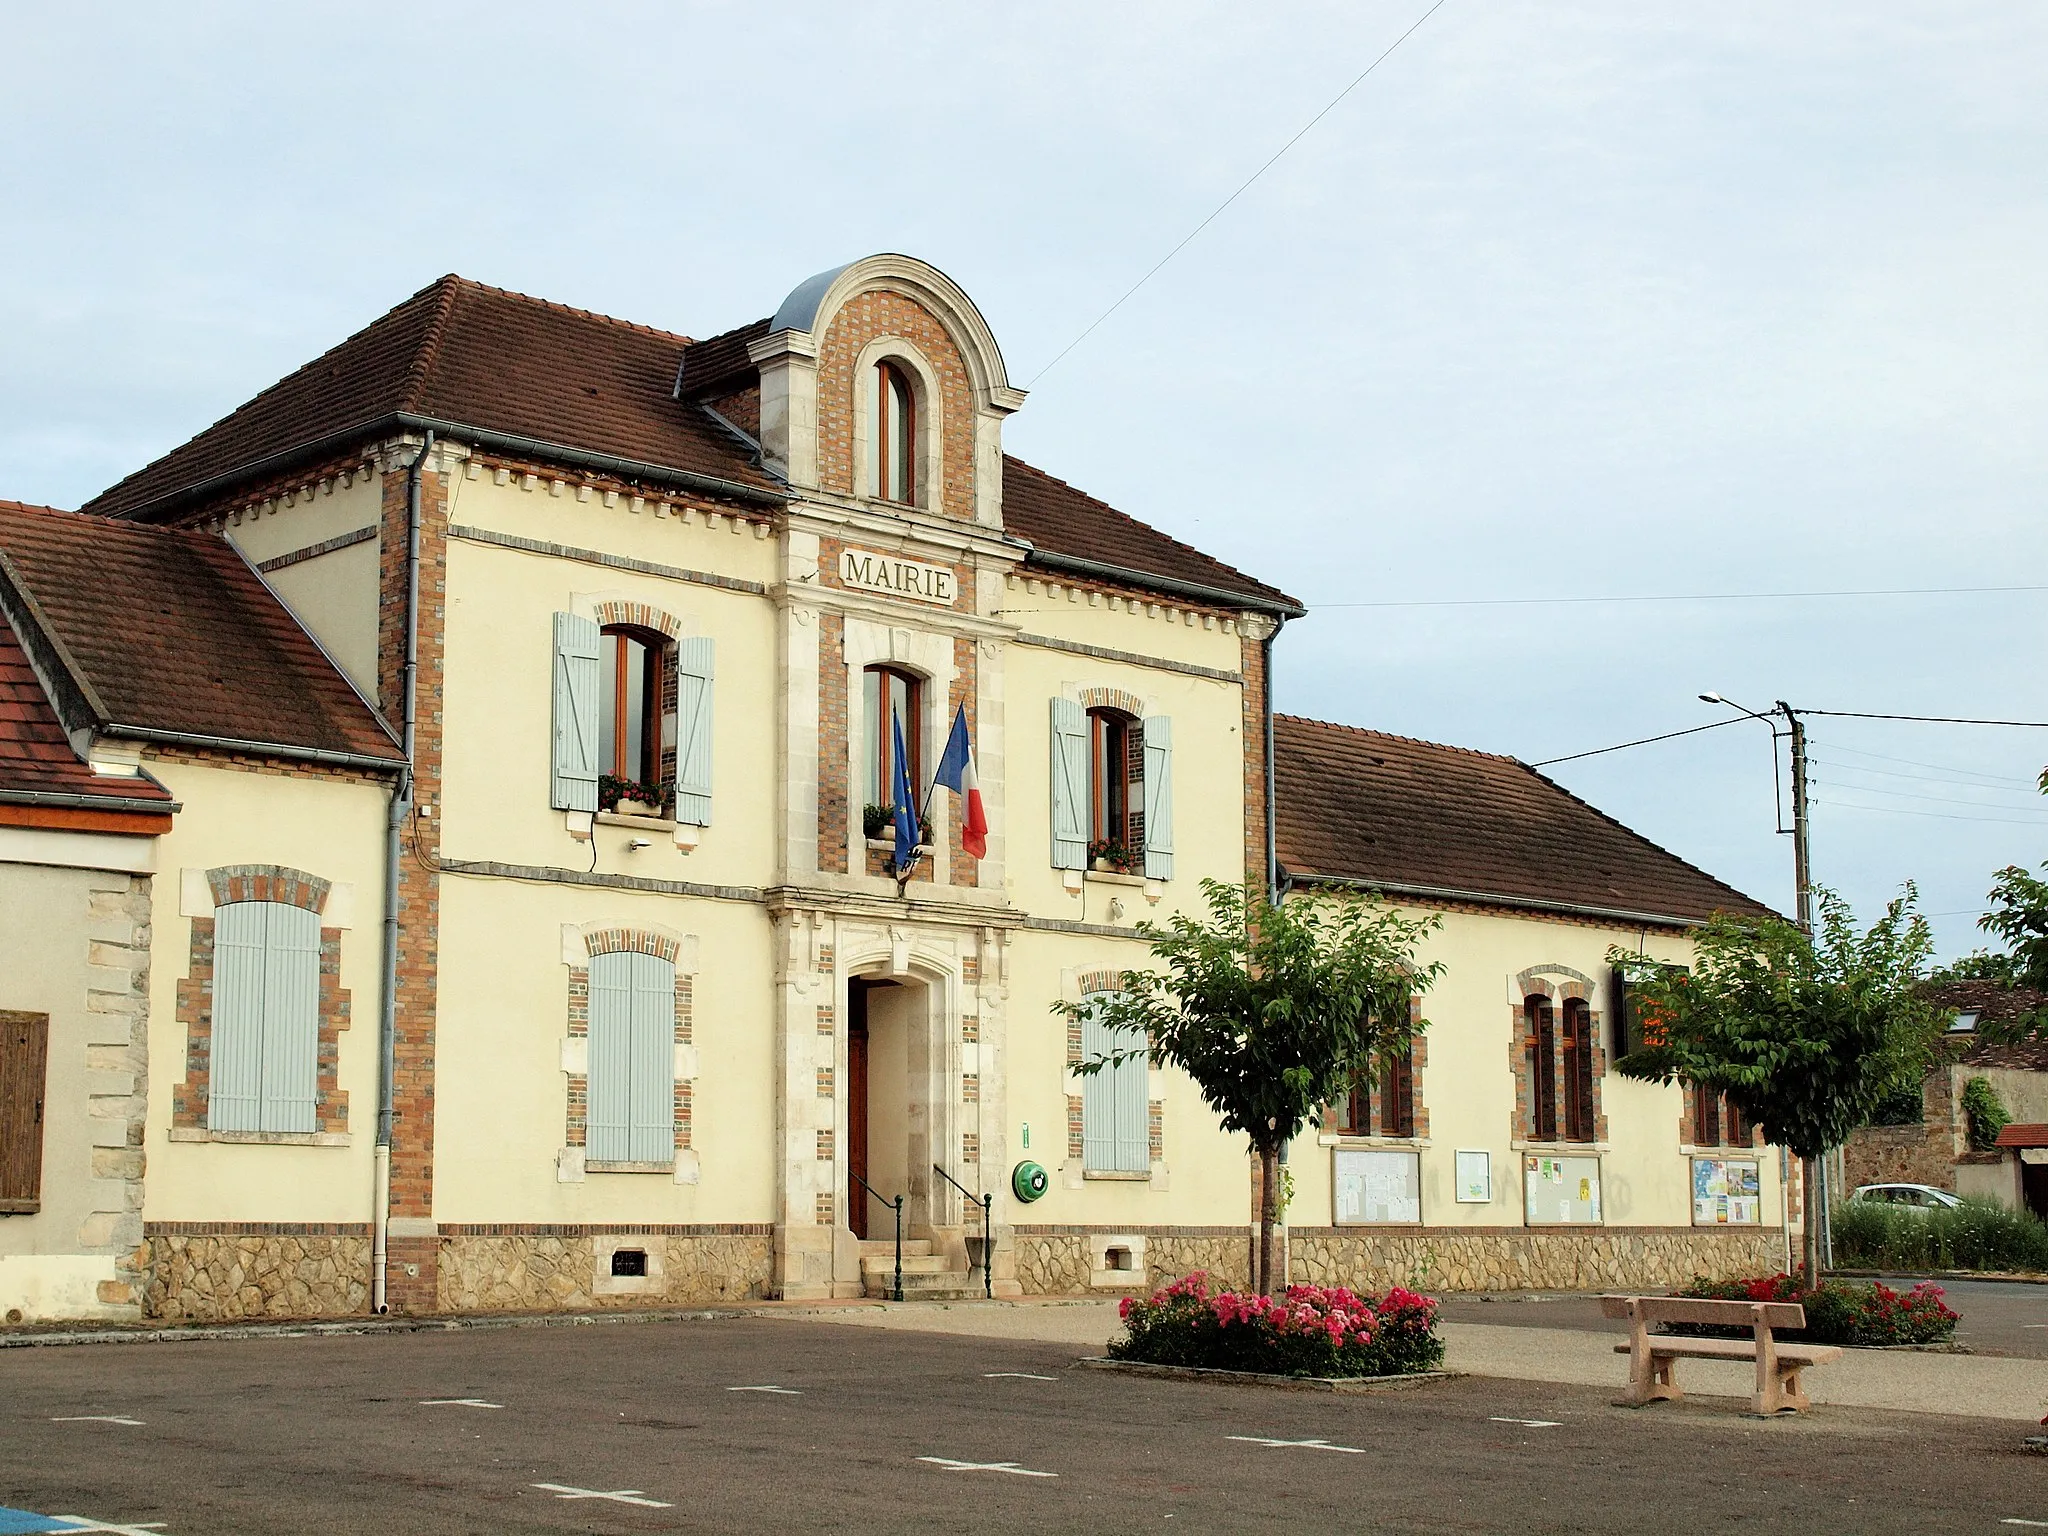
{"points": [[1113, 698], [235, 883], [638, 615]]}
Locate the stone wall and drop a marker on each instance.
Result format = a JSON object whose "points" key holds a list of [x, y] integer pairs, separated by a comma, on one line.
{"points": [[229, 1276], [1519, 1259], [1055, 1261], [540, 1272], [1900, 1154]]}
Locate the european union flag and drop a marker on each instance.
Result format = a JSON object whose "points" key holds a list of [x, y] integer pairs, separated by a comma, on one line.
{"points": [[906, 805]]}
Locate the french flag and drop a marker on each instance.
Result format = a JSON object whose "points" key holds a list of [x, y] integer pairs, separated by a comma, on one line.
{"points": [[956, 772]]}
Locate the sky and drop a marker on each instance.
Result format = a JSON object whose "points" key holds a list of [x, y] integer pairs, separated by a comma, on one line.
{"points": [[1563, 301]]}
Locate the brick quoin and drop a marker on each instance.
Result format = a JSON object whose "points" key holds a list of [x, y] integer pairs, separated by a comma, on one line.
{"points": [[832, 785], [1254, 667], [419, 887]]}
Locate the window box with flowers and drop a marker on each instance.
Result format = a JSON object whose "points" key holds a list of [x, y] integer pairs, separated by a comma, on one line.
{"points": [[618, 796], [1113, 856]]}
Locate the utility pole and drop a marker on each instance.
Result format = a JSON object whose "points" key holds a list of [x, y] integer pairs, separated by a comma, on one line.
{"points": [[1802, 877]]}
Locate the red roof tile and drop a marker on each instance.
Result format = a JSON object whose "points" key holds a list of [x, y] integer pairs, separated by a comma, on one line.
{"points": [[2023, 1136], [1061, 520], [480, 357], [35, 754], [1362, 806], [173, 631]]}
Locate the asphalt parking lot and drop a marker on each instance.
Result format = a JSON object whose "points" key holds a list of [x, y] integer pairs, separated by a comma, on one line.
{"points": [[625, 1427]]}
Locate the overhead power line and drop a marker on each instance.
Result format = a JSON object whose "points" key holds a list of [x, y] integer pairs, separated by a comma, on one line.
{"points": [[1672, 597], [1857, 714], [1641, 741], [1242, 188], [1899, 810]]}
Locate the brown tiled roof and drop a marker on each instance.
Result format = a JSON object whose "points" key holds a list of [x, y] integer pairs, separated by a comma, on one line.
{"points": [[170, 630], [720, 362], [480, 357], [1063, 521], [35, 755], [1362, 806], [2023, 1136], [466, 355]]}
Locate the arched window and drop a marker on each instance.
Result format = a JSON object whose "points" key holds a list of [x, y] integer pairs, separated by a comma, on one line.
{"points": [[892, 434], [630, 684], [1112, 738], [264, 1062], [630, 1090], [891, 695]]}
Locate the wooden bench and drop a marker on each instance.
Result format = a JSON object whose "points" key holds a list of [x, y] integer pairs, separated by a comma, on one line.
{"points": [[1653, 1358]]}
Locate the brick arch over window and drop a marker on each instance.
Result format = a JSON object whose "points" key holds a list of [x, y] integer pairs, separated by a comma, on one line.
{"points": [[1112, 698], [640, 615], [612, 939], [1557, 1051], [229, 884]]}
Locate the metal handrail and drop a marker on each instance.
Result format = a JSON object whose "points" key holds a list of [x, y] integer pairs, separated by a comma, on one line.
{"points": [[988, 1256], [895, 1205]]}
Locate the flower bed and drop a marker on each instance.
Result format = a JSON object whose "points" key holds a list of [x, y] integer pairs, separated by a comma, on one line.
{"points": [[1310, 1331], [1840, 1311]]}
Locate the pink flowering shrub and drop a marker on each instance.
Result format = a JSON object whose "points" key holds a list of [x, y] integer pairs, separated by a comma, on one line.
{"points": [[1309, 1331], [1841, 1311]]}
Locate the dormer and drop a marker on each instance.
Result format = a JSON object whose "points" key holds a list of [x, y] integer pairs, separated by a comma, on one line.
{"points": [[881, 382]]}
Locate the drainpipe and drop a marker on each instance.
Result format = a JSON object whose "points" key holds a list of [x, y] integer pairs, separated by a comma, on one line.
{"points": [[1273, 892], [394, 835]]}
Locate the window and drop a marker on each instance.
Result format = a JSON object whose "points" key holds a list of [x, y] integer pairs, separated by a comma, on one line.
{"points": [[264, 1055], [24, 1058], [1382, 1105], [1540, 1032], [1115, 1118], [629, 704], [1560, 1070], [1578, 1070], [1112, 789], [892, 695], [892, 434], [1111, 736], [1716, 1122], [632, 1059]]}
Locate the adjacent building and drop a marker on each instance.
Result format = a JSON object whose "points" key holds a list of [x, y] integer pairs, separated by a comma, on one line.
{"points": [[518, 701]]}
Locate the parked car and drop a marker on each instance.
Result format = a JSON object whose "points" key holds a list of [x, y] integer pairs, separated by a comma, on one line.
{"points": [[1914, 1197]]}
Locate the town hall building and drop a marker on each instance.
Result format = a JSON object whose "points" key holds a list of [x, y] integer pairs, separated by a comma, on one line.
{"points": [[450, 860]]}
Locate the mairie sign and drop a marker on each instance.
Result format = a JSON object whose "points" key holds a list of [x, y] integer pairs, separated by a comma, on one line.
{"points": [[898, 578]]}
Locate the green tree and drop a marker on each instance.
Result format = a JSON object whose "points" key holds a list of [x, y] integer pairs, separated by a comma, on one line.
{"points": [[2019, 916], [1806, 1034], [1273, 1010]]}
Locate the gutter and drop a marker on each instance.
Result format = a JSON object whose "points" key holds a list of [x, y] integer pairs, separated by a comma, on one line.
{"points": [[1496, 899], [394, 832], [1165, 584], [63, 800], [355, 760], [405, 421], [1273, 892]]}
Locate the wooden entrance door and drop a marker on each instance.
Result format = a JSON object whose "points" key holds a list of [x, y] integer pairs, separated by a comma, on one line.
{"points": [[857, 1199]]}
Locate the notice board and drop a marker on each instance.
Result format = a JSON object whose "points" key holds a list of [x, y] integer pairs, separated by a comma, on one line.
{"points": [[1726, 1191], [1560, 1191], [1377, 1186]]}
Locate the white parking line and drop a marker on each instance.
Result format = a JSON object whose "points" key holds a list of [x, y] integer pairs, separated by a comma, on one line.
{"points": [[2015, 1520], [95, 1418], [616, 1496], [1015, 1376], [1010, 1467], [785, 1391], [1532, 1423], [80, 1523], [1306, 1445], [457, 1402]]}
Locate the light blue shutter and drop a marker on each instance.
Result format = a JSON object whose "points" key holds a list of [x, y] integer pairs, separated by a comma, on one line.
{"points": [[651, 1106], [291, 1016], [234, 1094], [1133, 1130], [693, 730], [1158, 797], [1098, 1097], [608, 1090], [1069, 785], [578, 643]]}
